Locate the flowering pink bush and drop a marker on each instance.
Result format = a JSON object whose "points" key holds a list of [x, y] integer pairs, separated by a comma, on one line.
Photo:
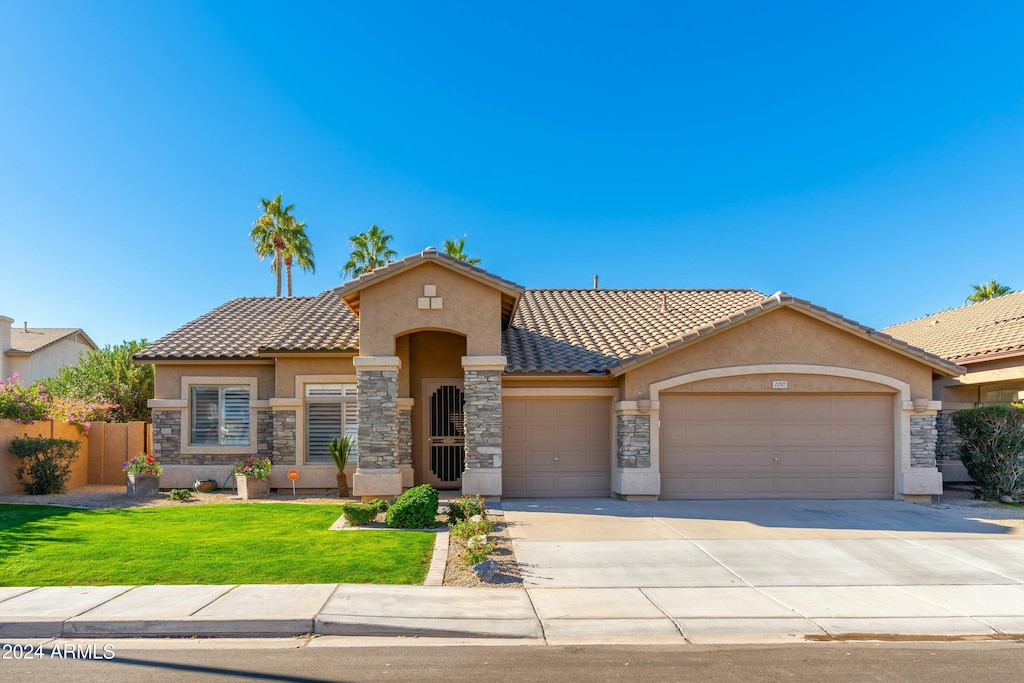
{"points": [[22, 404], [81, 413], [28, 404]]}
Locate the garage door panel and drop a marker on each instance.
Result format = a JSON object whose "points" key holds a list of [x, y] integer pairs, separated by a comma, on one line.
{"points": [[566, 447], [826, 446]]}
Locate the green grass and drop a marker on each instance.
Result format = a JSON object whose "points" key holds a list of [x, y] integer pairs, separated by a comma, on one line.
{"points": [[43, 545]]}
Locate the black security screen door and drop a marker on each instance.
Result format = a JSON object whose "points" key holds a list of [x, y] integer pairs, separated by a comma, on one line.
{"points": [[447, 435]]}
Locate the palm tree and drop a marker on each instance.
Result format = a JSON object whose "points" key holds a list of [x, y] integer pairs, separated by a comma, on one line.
{"points": [[298, 251], [276, 233], [455, 248], [984, 291], [369, 250]]}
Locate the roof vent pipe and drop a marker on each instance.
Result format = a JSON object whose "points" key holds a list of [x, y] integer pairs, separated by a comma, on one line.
{"points": [[664, 302], [595, 282], [26, 326]]}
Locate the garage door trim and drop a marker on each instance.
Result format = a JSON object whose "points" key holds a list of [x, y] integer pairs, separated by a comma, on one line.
{"points": [[901, 416]]}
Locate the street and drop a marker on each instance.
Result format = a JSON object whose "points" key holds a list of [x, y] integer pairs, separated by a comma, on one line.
{"points": [[316, 660]]}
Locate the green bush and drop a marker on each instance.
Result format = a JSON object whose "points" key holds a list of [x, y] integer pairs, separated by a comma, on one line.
{"points": [[358, 514], [466, 529], [179, 494], [465, 507], [45, 465], [414, 509], [993, 448], [379, 505]]}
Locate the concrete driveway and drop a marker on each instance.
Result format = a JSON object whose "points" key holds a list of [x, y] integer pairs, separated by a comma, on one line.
{"points": [[764, 570]]}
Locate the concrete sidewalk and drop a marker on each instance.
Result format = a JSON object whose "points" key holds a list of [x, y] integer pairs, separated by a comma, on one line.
{"points": [[607, 571]]}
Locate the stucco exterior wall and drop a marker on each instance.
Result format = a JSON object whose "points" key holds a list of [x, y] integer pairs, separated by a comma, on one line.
{"points": [[782, 336], [797, 384], [46, 362], [388, 309], [286, 370], [167, 378]]}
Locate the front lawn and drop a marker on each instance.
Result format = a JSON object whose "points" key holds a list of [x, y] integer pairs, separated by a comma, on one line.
{"points": [[43, 545]]}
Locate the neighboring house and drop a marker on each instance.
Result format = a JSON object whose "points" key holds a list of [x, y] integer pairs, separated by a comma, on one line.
{"points": [[987, 339], [38, 352], [455, 377]]}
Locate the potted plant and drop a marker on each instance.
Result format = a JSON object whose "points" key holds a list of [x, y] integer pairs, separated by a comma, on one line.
{"points": [[252, 476], [340, 450], [143, 476]]}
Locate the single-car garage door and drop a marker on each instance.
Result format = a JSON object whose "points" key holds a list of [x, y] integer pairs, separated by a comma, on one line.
{"points": [[806, 446], [556, 447]]}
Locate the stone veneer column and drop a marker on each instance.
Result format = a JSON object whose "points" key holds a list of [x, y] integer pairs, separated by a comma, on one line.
{"points": [[636, 474], [482, 413], [377, 474], [917, 477], [405, 442], [167, 436], [283, 426]]}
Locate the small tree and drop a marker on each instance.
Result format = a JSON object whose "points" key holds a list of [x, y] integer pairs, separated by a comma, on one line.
{"points": [[45, 464], [111, 376], [993, 448]]}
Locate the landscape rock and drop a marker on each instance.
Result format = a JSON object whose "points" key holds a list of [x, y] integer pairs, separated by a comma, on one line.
{"points": [[485, 570]]}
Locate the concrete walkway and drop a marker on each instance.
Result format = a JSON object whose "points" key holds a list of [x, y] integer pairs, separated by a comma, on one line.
{"points": [[611, 571]]}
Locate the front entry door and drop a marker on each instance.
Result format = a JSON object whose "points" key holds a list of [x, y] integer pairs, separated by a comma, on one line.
{"points": [[446, 440]]}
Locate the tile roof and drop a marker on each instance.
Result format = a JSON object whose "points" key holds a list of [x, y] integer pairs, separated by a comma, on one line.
{"points": [[592, 330], [244, 327], [970, 333], [36, 338]]}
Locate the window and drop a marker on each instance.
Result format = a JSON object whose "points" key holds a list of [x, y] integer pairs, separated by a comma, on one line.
{"points": [[330, 414], [219, 415], [1002, 395]]}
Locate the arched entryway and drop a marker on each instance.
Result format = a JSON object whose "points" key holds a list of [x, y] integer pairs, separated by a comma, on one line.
{"points": [[434, 382]]}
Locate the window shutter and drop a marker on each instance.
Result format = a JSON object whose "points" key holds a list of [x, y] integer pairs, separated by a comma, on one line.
{"points": [[323, 424], [235, 424], [205, 416]]}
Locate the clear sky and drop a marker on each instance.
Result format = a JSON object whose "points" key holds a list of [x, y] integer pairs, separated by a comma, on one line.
{"points": [[867, 156]]}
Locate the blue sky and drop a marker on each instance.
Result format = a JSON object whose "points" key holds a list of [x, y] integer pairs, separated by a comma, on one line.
{"points": [[867, 157]]}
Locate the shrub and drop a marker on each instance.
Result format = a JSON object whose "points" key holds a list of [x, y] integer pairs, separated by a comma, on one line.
{"points": [[466, 529], [993, 448], [476, 550], [358, 514], [113, 377], [22, 404], [80, 412], [465, 507], [414, 509], [379, 505], [45, 463], [179, 494]]}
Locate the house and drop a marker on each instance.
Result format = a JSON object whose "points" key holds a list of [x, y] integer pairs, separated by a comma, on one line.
{"points": [[452, 376], [38, 352], [987, 339]]}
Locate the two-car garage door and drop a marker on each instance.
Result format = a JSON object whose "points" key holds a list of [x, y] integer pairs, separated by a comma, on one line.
{"points": [[772, 446]]}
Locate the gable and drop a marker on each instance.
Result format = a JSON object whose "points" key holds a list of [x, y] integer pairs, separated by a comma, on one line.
{"points": [[783, 335]]}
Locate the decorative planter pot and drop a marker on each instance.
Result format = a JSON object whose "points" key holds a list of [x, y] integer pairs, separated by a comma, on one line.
{"points": [[143, 485], [250, 488], [343, 491]]}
